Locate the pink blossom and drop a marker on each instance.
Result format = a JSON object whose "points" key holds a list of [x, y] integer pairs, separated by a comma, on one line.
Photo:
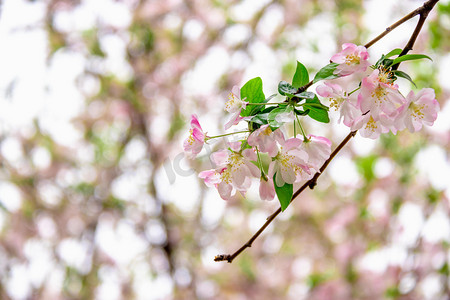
{"points": [[289, 163], [234, 105], [234, 171], [211, 177], [194, 143], [418, 110], [334, 92], [351, 59], [347, 251], [318, 149], [379, 95], [264, 139], [339, 101], [369, 127], [235, 146], [349, 112], [266, 189], [389, 121]]}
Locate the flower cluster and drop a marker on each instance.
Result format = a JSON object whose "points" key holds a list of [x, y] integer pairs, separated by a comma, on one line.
{"points": [[292, 160], [278, 161], [378, 107]]}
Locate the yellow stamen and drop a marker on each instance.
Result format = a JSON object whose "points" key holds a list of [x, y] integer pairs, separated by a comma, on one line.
{"points": [[286, 162], [267, 131], [371, 125], [232, 99], [336, 102], [379, 94], [235, 161], [352, 59], [190, 139], [417, 110], [385, 76]]}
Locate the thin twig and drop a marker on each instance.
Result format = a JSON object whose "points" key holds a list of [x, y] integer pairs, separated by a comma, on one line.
{"points": [[395, 25], [423, 12], [310, 183], [423, 16]]}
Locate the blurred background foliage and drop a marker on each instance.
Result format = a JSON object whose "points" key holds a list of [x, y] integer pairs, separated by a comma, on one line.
{"points": [[98, 202]]}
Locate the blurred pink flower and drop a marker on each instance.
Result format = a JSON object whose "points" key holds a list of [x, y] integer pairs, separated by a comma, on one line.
{"points": [[351, 59], [348, 252], [194, 143], [234, 105], [332, 290], [340, 220]]}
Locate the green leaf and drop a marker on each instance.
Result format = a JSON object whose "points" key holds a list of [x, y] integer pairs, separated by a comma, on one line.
{"points": [[271, 119], [284, 193], [409, 57], [253, 93], [270, 98], [305, 95], [301, 112], [319, 115], [258, 109], [317, 110], [315, 102], [386, 62], [394, 52], [269, 109], [326, 73], [301, 76], [261, 118], [286, 89], [403, 75]]}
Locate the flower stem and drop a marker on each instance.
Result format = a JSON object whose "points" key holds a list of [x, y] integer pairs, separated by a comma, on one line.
{"points": [[295, 128], [268, 103], [311, 104], [301, 128], [260, 164], [423, 12], [226, 134], [354, 91]]}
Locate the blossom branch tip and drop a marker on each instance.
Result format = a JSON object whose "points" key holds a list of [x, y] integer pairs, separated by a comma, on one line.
{"points": [[223, 257], [378, 108]]}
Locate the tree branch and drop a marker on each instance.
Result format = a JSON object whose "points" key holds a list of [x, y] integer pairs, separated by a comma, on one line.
{"points": [[310, 183], [423, 12]]}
